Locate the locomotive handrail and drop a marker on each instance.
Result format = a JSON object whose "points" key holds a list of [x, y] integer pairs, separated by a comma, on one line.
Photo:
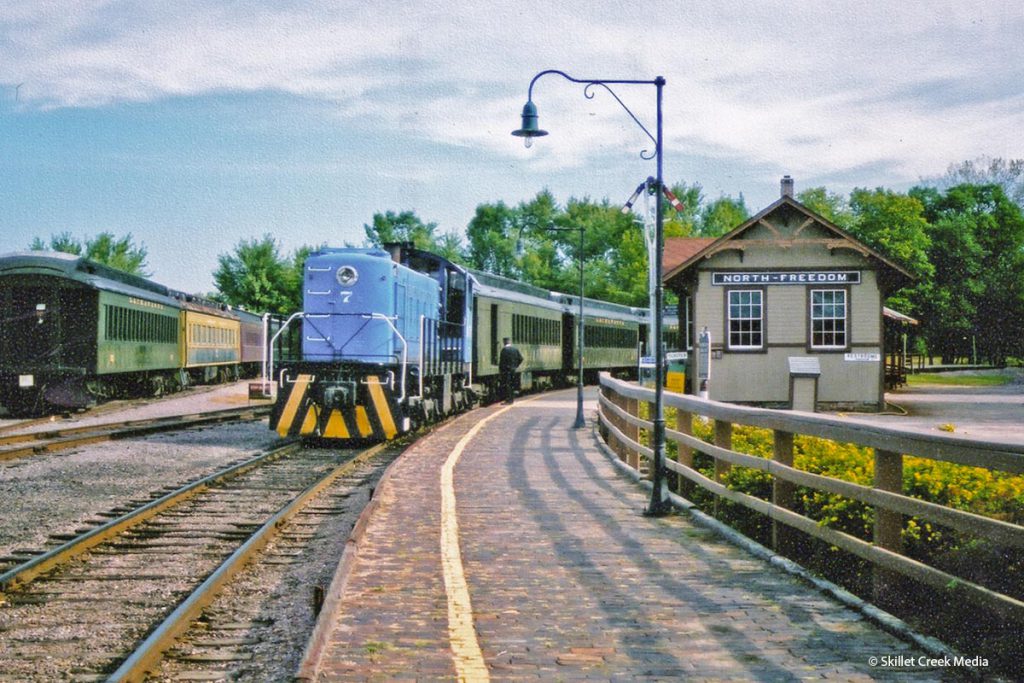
{"points": [[423, 322], [266, 352], [367, 381], [405, 346], [273, 339], [283, 378]]}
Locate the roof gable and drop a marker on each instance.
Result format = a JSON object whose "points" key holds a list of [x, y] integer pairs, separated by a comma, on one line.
{"points": [[685, 256]]}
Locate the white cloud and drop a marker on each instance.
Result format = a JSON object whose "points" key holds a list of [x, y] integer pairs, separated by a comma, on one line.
{"points": [[834, 86]]}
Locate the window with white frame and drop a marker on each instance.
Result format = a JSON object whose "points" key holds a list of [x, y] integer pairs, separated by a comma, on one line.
{"points": [[746, 319], [828, 318]]}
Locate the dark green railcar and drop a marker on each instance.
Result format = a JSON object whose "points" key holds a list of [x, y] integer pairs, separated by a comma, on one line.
{"points": [[544, 326], [74, 330]]}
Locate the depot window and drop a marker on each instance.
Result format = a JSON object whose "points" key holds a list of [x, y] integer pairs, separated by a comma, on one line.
{"points": [[828, 318], [745, 316]]}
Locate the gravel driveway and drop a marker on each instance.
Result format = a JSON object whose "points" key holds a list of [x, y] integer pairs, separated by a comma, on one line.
{"points": [[985, 413]]}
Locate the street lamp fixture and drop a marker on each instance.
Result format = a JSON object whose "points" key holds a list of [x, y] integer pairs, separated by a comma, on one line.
{"points": [[530, 129]]}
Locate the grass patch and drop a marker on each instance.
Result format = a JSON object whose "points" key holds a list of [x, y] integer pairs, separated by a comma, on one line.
{"points": [[958, 380]]}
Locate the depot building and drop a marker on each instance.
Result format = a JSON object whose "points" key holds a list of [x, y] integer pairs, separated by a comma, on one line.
{"points": [[786, 310]]}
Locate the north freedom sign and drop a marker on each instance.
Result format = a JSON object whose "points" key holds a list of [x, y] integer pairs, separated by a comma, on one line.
{"points": [[788, 277]]}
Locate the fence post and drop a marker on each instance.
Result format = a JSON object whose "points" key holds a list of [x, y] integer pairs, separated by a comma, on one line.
{"points": [[888, 524], [632, 407], [723, 439], [684, 454], [783, 537], [601, 427], [618, 401]]}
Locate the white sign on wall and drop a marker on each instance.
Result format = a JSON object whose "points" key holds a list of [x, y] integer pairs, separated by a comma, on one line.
{"points": [[862, 357], [787, 277]]}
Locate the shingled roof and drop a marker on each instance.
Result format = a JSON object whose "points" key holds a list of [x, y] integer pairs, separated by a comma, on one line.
{"points": [[679, 250]]}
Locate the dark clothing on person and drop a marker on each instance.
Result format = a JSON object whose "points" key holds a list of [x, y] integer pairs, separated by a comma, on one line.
{"points": [[508, 360]]}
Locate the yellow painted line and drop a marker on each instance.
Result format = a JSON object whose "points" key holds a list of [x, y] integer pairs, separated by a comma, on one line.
{"points": [[309, 424], [469, 660], [292, 406], [363, 422], [380, 402], [336, 428]]}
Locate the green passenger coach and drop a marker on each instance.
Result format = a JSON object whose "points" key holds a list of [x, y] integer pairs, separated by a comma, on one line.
{"points": [[74, 331], [543, 325], [135, 334]]}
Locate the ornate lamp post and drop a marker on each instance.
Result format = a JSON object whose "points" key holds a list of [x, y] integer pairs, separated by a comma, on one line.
{"points": [[529, 130]]}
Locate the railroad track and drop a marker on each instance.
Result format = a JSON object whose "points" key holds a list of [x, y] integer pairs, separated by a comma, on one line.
{"points": [[51, 440], [110, 602], [28, 424], [102, 409]]}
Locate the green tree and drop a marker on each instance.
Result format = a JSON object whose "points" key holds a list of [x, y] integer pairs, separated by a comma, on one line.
{"points": [[684, 223], [948, 310], [722, 215], [829, 205], [400, 227], [700, 218], [893, 224], [492, 240], [497, 233], [120, 253], [1006, 173], [614, 251], [623, 274], [259, 278], [612, 271], [450, 246], [62, 242], [978, 288]]}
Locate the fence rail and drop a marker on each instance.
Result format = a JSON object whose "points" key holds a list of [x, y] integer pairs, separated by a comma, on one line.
{"points": [[621, 425]]}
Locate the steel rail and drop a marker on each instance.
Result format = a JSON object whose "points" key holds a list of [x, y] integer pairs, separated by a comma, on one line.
{"points": [[149, 653], [61, 439], [25, 424], [24, 573]]}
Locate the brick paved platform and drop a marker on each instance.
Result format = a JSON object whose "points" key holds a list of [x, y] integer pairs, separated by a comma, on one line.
{"points": [[568, 580]]}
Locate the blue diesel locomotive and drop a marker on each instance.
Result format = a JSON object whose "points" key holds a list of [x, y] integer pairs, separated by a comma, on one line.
{"points": [[398, 337]]}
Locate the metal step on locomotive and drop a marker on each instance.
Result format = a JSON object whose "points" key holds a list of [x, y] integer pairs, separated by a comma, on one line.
{"points": [[398, 337]]}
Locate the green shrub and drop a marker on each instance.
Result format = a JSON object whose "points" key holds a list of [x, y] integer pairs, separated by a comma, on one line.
{"points": [[973, 489]]}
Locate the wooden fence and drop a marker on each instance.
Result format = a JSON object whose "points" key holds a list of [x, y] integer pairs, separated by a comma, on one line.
{"points": [[621, 427]]}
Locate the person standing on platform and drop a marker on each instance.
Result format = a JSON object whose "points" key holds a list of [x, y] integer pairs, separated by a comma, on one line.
{"points": [[508, 361]]}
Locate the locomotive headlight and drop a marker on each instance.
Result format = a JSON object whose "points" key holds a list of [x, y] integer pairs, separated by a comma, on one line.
{"points": [[347, 276]]}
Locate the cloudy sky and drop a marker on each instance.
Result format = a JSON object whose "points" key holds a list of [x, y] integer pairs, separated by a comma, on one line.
{"points": [[193, 125]]}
